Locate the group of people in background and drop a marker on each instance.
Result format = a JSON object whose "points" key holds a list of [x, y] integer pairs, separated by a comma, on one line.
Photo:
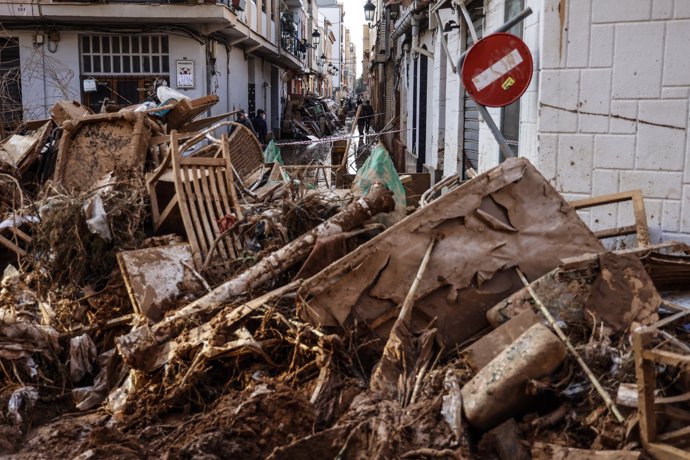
{"points": [[256, 125], [259, 127]]}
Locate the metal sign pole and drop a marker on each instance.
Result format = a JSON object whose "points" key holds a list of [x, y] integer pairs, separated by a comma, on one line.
{"points": [[502, 143]]}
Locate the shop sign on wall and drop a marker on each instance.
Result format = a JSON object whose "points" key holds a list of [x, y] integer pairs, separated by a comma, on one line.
{"points": [[185, 74]]}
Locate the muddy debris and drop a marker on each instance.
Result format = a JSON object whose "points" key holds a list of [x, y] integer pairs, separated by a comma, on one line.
{"points": [[193, 300]]}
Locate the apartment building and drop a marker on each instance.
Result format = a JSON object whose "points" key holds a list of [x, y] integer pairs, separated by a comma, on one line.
{"points": [[251, 53], [606, 110]]}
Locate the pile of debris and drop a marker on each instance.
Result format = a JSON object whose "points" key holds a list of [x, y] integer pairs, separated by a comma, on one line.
{"points": [[309, 117], [176, 295]]}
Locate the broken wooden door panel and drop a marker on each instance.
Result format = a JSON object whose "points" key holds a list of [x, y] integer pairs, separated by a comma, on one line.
{"points": [[156, 275], [506, 218], [95, 145]]}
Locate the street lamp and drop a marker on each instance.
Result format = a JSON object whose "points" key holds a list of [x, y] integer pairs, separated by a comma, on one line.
{"points": [[316, 37], [322, 59], [369, 10]]}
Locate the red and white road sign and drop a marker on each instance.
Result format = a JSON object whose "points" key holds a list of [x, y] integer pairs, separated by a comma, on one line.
{"points": [[497, 70]]}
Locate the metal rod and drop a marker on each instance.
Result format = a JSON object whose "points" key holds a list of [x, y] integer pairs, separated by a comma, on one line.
{"points": [[502, 143], [505, 27]]}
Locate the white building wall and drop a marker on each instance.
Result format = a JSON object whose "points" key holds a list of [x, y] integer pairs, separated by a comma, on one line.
{"points": [[60, 68], [613, 107], [494, 12], [454, 110]]}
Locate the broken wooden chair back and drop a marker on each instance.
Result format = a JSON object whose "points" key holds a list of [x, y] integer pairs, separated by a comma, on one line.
{"points": [[640, 228], [160, 182], [672, 444], [204, 197]]}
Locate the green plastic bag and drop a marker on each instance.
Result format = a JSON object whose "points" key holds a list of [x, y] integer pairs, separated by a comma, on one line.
{"points": [[272, 154], [379, 168]]}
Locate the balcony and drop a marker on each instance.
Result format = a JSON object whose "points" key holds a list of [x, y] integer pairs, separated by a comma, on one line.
{"points": [[289, 40]]}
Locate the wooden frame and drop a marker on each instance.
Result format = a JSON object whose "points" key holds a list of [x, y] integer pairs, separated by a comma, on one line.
{"points": [[92, 146], [645, 359], [21, 240], [205, 194], [242, 147], [318, 176], [640, 228]]}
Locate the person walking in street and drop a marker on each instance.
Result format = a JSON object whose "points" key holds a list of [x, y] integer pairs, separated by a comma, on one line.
{"points": [[260, 125], [360, 121], [367, 116], [243, 120]]}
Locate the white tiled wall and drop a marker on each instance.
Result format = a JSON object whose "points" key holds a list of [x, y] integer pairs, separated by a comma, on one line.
{"points": [[613, 105]]}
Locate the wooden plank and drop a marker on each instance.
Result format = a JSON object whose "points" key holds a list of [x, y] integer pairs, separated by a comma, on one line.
{"points": [[185, 111], [646, 383], [674, 436], [219, 213], [614, 232], [12, 247], [602, 200], [230, 177], [210, 222], [667, 357], [202, 206], [199, 161], [670, 319], [666, 452], [197, 209], [640, 219], [204, 123], [182, 193]]}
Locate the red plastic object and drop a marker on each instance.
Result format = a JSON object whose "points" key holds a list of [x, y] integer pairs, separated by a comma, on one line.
{"points": [[497, 70]]}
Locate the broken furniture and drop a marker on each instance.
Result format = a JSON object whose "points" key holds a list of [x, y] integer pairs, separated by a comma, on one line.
{"points": [[639, 229], [96, 145], [204, 196], [505, 218], [13, 237], [240, 147], [154, 276], [662, 446], [186, 110], [19, 152]]}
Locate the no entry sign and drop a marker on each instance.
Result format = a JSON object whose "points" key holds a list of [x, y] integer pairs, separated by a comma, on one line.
{"points": [[497, 70]]}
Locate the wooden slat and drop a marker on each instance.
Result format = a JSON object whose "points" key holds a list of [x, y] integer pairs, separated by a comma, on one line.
{"points": [[192, 225], [219, 213], [667, 357], [200, 161], [205, 122], [11, 246], [230, 177], [211, 217], [674, 436], [204, 235], [614, 232], [666, 452], [646, 383], [602, 200], [640, 219]]}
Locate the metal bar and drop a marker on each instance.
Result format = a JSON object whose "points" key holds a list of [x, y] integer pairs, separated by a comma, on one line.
{"points": [[445, 45], [498, 135], [505, 27], [468, 20]]}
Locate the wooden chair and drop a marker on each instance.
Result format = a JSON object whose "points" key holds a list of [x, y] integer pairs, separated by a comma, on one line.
{"points": [[243, 148], [204, 195]]}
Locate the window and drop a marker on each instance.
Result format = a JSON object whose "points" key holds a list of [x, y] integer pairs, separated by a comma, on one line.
{"points": [[124, 54]]}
